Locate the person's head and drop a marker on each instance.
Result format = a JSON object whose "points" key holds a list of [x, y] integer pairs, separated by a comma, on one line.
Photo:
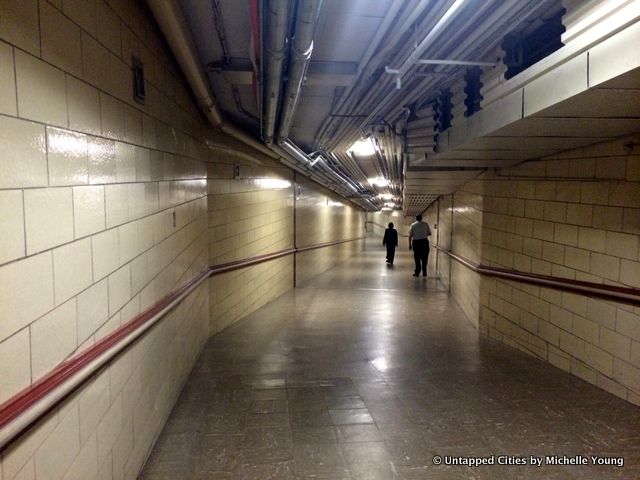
{"points": [[390, 224], [419, 217]]}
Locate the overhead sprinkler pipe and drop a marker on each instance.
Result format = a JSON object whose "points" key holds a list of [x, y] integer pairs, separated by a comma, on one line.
{"points": [[169, 16], [301, 48], [275, 52]]}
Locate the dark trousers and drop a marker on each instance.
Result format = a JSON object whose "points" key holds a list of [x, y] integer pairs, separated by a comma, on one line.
{"points": [[391, 253], [421, 255]]}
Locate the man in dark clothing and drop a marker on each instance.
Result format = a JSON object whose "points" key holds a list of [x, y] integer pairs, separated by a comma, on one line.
{"points": [[418, 241], [391, 241]]}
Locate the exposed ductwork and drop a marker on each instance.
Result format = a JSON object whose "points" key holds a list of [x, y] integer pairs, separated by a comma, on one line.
{"points": [[173, 25], [275, 52], [301, 48]]}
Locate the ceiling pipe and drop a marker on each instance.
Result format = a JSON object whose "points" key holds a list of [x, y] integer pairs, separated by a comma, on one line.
{"points": [[301, 48], [275, 51], [174, 27]]}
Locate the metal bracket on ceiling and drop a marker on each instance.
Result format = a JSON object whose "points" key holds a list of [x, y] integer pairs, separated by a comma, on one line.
{"points": [[398, 73]]}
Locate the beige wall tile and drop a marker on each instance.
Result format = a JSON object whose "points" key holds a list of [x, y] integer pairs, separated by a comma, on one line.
{"points": [[594, 193], [117, 204], [42, 91], [112, 117], [102, 160], [19, 24], [601, 312], [125, 162], [630, 273], [578, 214], [60, 40], [48, 218], [626, 374], [53, 338], [72, 268], [129, 244], [16, 364], [615, 343], [22, 450], [566, 234], [89, 210], [86, 463], [26, 292], [119, 289], [607, 218], [82, 12], [109, 28], [106, 256], [628, 324], [592, 239], [84, 107], [93, 309], [94, 403], [553, 252], [67, 157], [8, 103], [605, 266], [59, 450], [12, 245], [23, 161], [622, 245], [109, 428], [132, 123], [28, 471], [625, 194]]}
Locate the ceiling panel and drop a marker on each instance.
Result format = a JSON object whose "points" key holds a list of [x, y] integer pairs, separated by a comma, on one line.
{"points": [[598, 103], [570, 127], [344, 38]]}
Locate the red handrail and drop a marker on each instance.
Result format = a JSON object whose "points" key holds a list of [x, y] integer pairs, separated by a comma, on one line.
{"points": [[114, 343], [627, 295]]}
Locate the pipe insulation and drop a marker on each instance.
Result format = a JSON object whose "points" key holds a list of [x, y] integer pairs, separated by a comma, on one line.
{"points": [[171, 20], [300, 56], [275, 51]]}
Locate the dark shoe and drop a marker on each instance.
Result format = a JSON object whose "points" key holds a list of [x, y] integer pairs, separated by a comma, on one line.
{"points": [[416, 274], [424, 274]]}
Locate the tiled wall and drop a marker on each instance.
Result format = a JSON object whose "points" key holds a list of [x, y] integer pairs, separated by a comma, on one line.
{"points": [[575, 215], [248, 216], [322, 216], [104, 211], [460, 219]]}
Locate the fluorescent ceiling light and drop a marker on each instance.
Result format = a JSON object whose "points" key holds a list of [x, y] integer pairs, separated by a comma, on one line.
{"points": [[362, 147], [378, 181], [386, 209]]}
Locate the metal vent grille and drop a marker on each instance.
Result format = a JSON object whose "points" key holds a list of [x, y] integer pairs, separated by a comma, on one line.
{"points": [[415, 204]]}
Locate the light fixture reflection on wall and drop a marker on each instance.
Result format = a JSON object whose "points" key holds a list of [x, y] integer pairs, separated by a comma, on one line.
{"points": [[273, 183], [386, 196], [362, 147]]}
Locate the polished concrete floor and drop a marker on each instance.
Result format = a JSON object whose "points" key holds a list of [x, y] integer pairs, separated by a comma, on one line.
{"points": [[366, 372]]}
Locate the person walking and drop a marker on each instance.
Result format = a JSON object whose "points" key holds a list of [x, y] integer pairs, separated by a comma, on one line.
{"points": [[418, 241], [390, 240]]}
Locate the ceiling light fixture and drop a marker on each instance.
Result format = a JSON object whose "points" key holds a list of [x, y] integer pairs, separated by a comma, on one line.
{"points": [[386, 196], [362, 147], [378, 181]]}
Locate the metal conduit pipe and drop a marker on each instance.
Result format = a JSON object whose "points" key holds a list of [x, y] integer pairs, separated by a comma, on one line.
{"points": [[363, 65], [173, 25], [275, 49], [301, 48], [505, 10]]}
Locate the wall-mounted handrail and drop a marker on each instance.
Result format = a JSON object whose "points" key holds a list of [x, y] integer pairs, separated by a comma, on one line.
{"points": [[19, 412], [627, 295]]}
